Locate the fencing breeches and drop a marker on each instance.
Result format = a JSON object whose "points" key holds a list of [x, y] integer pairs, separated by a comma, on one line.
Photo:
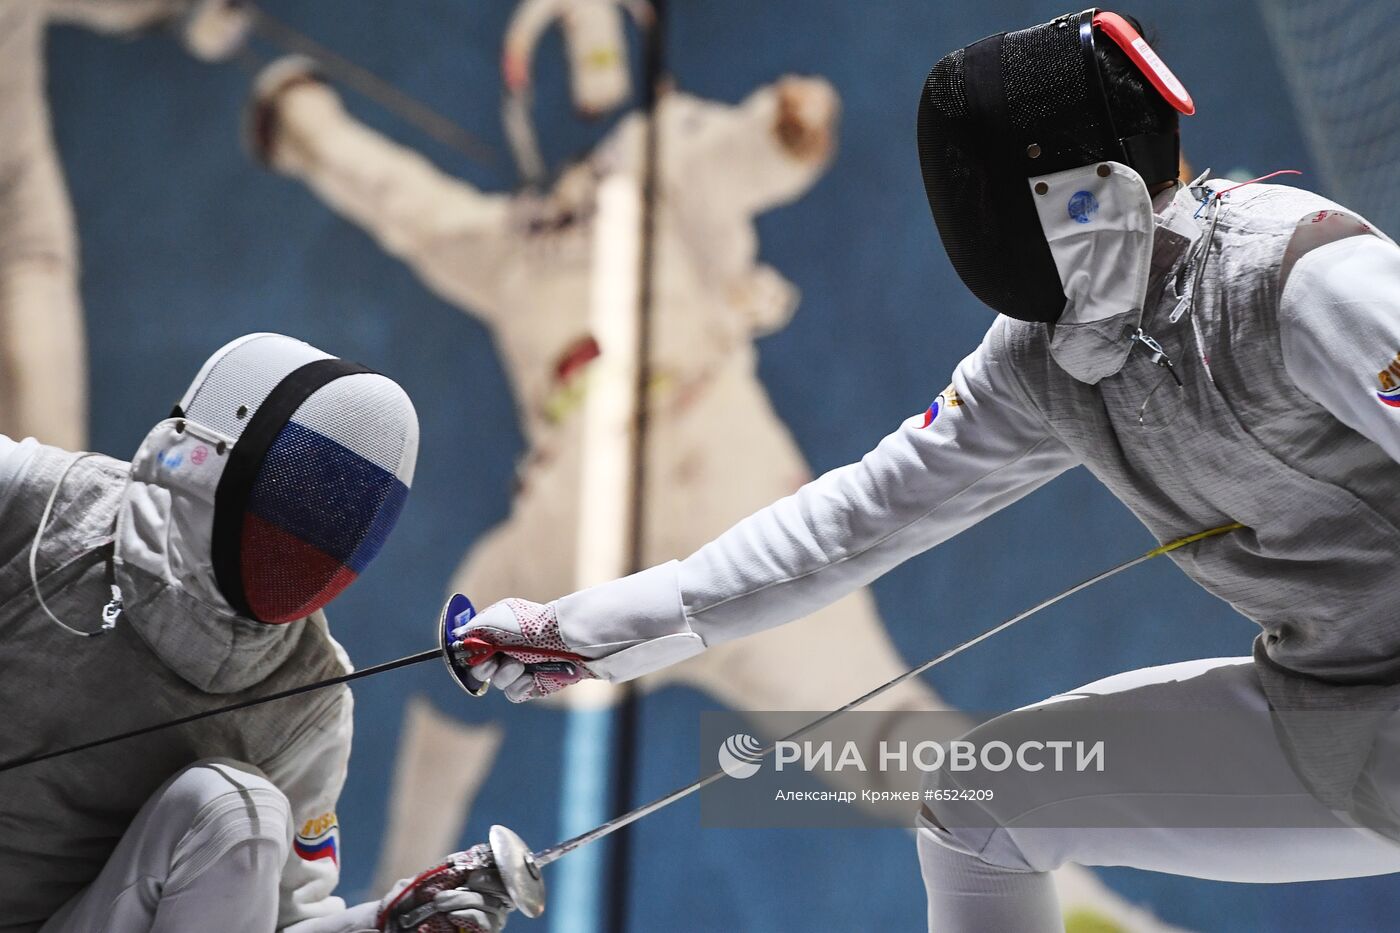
{"points": [[205, 852], [995, 876]]}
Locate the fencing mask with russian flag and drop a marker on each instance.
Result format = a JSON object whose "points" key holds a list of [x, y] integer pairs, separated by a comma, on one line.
{"points": [[274, 482]]}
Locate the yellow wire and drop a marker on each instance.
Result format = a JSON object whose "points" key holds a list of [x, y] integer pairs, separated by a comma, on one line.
{"points": [[1190, 539]]}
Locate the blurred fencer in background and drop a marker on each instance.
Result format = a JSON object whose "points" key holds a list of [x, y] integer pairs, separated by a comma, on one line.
{"points": [[522, 264], [43, 355]]}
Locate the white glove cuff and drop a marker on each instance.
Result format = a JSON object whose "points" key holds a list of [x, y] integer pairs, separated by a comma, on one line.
{"points": [[631, 626]]}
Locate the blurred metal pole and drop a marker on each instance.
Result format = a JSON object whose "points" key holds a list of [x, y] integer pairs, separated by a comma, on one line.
{"points": [[627, 728], [600, 733], [603, 544]]}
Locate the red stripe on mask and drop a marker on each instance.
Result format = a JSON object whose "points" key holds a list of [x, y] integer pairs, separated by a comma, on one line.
{"points": [[284, 578]]}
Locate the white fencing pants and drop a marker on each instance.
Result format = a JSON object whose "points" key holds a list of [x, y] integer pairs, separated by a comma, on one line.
{"points": [[996, 878], [204, 853]]}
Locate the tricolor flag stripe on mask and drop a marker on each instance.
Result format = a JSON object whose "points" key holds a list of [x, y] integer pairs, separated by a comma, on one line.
{"points": [[284, 578], [326, 495], [378, 531], [316, 515], [354, 412]]}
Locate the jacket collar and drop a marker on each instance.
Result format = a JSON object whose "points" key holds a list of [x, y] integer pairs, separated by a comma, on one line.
{"points": [[1093, 351]]}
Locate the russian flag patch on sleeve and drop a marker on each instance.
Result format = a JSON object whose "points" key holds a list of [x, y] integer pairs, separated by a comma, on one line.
{"points": [[931, 414], [319, 838], [948, 398], [1389, 394]]}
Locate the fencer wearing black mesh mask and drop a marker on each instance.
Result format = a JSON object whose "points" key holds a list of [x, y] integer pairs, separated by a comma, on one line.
{"points": [[1039, 160], [1263, 400]]}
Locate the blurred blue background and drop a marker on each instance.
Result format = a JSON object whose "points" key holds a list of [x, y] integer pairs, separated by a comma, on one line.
{"points": [[186, 243]]}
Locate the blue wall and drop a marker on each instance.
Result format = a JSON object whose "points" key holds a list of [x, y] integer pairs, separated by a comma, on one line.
{"points": [[186, 243]]}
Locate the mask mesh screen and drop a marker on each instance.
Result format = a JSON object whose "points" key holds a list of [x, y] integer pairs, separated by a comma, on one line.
{"points": [[1050, 101], [242, 378], [329, 490], [976, 163]]}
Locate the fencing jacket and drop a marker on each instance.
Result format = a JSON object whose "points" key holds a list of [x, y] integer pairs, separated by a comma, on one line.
{"points": [[1288, 421], [167, 657]]}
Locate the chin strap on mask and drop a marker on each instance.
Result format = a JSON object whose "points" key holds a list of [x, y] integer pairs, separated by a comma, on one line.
{"points": [[113, 609]]}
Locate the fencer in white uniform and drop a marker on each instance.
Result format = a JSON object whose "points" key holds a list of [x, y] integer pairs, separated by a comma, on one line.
{"points": [[1216, 355], [190, 579]]}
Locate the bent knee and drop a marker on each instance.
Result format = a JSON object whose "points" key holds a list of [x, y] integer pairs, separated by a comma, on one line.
{"points": [[227, 801], [976, 802], [993, 846]]}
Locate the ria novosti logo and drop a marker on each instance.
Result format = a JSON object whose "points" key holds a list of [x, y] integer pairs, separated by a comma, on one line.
{"points": [[740, 755]]}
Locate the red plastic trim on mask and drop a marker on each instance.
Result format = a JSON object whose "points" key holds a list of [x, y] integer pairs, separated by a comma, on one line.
{"points": [[1149, 62]]}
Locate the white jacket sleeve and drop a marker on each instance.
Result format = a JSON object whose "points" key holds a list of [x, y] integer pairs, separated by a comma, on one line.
{"points": [[310, 771], [1339, 326], [985, 448], [453, 236]]}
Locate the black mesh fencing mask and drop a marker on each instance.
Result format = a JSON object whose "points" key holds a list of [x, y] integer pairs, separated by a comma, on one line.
{"points": [[1011, 108]]}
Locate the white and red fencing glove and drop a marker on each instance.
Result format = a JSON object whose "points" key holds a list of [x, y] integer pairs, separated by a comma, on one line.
{"points": [[615, 631], [462, 894]]}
